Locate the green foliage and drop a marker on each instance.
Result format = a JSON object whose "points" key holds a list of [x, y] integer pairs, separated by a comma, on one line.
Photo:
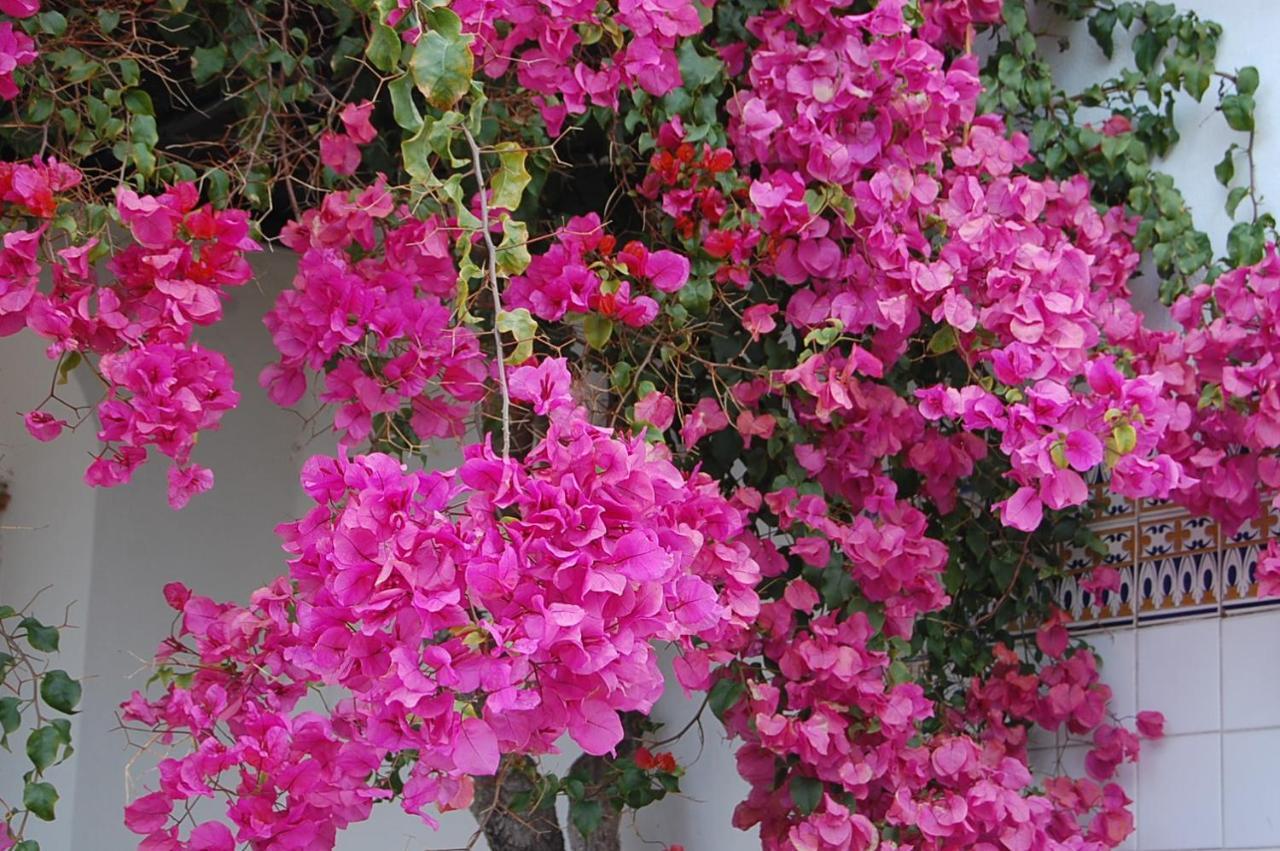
{"points": [[1174, 54], [31, 690], [442, 63], [806, 792]]}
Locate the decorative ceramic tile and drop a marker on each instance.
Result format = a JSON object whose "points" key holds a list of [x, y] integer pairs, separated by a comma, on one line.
{"points": [[1171, 564], [1177, 586], [1107, 608]]}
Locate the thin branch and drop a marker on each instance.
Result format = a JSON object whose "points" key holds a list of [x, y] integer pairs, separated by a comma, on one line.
{"points": [[492, 268]]}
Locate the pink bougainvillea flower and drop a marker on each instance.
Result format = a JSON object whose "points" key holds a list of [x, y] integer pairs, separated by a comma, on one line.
{"points": [[1268, 570], [339, 152], [355, 120], [1150, 724], [152, 222], [751, 425], [1083, 450], [186, 482], [20, 8], [758, 319], [656, 409], [545, 384], [706, 417], [667, 270], [43, 426], [1052, 637], [1023, 510], [211, 836]]}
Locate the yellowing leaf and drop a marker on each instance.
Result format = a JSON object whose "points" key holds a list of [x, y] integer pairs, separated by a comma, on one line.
{"points": [[442, 63], [513, 252], [510, 180], [521, 325]]}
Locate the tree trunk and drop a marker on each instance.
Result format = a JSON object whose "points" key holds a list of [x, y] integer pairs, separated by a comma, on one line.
{"points": [[606, 836], [512, 826]]}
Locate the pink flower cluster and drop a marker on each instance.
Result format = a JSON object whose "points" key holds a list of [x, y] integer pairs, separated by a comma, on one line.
{"points": [[1057, 435], [1221, 370], [692, 187], [493, 608], [162, 389], [370, 310], [1028, 278], [340, 151], [832, 719], [17, 49], [891, 210], [467, 614], [546, 44], [1064, 694], [583, 273]]}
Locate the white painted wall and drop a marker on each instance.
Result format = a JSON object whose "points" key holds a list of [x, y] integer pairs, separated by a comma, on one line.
{"points": [[112, 551], [46, 536]]}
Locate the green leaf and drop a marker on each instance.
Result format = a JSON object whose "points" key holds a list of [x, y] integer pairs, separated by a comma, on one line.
{"points": [[806, 793], [415, 152], [1226, 169], [899, 672], [39, 636], [1015, 16], [1210, 397], [521, 325], [208, 62], [511, 178], [108, 20], [42, 746], [723, 695], [1101, 27], [442, 64], [598, 330], [586, 815], [40, 799], [977, 540], [10, 714], [695, 69], [219, 185], [1234, 197], [1125, 438], [53, 23], [403, 108], [513, 251], [384, 48], [144, 159], [1245, 244], [143, 130], [1146, 48], [943, 340], [59, 691], [39, 109], [1247, 80], [138, 102], [1238, 110]]}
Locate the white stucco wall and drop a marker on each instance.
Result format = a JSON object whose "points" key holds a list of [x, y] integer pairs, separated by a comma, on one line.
{"points": [[111, 551]]}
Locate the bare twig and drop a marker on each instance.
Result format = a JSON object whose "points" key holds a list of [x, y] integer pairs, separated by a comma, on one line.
{"points": [[492, 274]]}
